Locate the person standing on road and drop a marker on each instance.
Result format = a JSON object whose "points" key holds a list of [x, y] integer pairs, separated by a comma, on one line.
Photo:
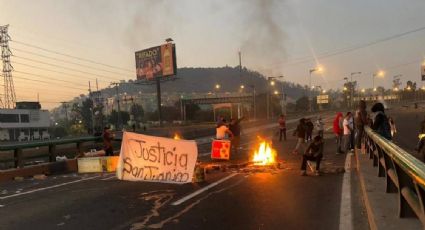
{"points": [[309, 131], [338, 131], [314, 152], [235, 128], [282, 127], [348, 129], [107, 141], [300, 133], [380, 122], [360, 122], [392, 126], [351, 121], [320, 126]]}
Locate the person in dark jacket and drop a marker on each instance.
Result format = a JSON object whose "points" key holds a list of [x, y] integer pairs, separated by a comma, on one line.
{"points": [[300, 133], [314, 152], [380, 123], [235, 128], [360, 122], [309, 131]]}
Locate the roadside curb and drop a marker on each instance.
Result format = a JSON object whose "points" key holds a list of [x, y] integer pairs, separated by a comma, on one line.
{"points": [[369, 210]]}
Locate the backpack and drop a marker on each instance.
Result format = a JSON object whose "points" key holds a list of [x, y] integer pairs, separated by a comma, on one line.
{"points": [[385, 128]]}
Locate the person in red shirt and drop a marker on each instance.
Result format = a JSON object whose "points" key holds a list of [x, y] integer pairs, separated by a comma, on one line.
{"points": [[107, 142], [282, 127], [338, 131]]}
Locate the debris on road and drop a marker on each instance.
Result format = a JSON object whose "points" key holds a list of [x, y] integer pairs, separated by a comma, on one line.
{"points": [[40, 177], [18, 178]]}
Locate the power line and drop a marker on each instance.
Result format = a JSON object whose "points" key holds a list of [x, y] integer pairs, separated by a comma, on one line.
{"points": [[70, 56], [351, 48], [53, 79], [65, 61], [45, 82], [64, 67]]}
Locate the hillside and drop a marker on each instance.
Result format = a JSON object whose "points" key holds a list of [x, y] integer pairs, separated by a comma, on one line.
{"points": [[203, 80]]}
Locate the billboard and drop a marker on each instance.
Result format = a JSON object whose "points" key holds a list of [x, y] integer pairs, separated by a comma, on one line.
{"points": [[323, 99], [158, 61]]}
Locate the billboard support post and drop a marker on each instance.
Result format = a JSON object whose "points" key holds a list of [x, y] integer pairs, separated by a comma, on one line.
{"points": [[158, 97]]}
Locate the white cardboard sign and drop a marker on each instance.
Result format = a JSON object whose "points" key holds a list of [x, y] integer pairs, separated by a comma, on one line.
{"points": [[156, 159]]}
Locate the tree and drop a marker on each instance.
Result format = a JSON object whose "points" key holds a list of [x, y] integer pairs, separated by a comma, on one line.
{"points": [[302, 104], [137, 111], [87, 115], [113, 117]]}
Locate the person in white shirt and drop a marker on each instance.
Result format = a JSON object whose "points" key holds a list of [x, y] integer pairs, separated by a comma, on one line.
{"points": [[348, 129], [222, 130], [320, 127]]}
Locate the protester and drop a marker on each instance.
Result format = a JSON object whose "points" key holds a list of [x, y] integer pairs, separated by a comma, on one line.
{"points": [[235, 128], [309, 131], [392, 126], [351, 121], [338, 131], [222, 130], [348, 129], [314, 152], [282, 127], [360, 122], [300, 133], [421, 146], [320, 126], [380, 122], [107, 141], [220, 121]]}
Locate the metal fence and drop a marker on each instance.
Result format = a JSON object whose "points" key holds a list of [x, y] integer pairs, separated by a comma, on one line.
{"points": [[405, 175], [19, 156]]}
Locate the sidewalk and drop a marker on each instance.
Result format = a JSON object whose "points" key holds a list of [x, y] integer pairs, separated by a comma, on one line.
{"points": [[382, 207]]}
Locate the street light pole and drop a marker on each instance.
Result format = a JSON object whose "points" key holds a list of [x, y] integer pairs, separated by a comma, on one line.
{"points": [[319, 69]]}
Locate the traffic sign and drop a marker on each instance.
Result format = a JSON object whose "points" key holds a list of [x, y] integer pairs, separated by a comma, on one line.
{"points": [[323, 99]]}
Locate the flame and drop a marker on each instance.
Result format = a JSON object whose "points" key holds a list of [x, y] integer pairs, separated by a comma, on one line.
{"points": [[421, 135], [265, 154], [177, 136]]}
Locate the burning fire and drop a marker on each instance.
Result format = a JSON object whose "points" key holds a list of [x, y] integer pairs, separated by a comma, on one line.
{"points": [[265, 154], [177, 136]]}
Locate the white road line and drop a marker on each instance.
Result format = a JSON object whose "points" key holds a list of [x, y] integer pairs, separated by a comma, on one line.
{"points": [[49, 187], [109, 178], [190, 196], [345, 217]]}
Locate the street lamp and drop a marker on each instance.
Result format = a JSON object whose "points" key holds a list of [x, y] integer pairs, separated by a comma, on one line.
{"points": [[317, 69], [217, 86], [242, 87], [380, 73], [352, 89]]}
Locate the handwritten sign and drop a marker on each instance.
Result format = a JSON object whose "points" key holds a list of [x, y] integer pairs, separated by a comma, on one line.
{"points": [[156, 159]]}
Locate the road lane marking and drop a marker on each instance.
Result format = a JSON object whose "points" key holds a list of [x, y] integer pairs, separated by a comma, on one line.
{"points": [[190, 196], [109, 178], [345, 217], [49, 187]]}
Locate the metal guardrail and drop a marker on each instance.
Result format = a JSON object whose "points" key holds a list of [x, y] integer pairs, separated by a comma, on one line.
{"points": [[405, 175], [19, 157]]}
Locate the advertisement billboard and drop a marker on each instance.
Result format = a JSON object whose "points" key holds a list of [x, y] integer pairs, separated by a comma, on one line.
{"points": [[158, 61]]}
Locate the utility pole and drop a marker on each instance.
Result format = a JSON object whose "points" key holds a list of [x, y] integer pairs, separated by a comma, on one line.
{"points": [[9, 88], [119, 119]]}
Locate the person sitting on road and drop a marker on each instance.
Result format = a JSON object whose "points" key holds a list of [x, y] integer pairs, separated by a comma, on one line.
{"points": [[300, 132], [222, 130], [314, 152]]}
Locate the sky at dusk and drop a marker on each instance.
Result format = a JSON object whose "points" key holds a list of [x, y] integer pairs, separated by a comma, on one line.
{"points": [[275, 38]]}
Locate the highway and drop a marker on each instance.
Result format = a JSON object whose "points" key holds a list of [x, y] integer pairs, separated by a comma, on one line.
{"points": [[244, 198]]}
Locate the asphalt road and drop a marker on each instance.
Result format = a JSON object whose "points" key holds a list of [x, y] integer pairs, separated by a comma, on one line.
{"points": [[408, 126], [245, 198]]}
